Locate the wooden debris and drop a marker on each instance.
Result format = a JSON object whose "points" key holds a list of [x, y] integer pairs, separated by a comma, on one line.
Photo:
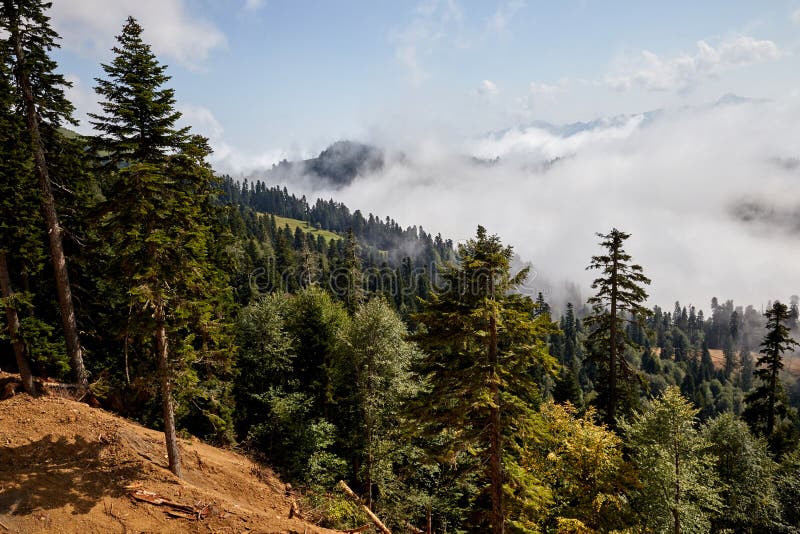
{"points": [[294, 510], [178, 510], [350, 493], [411, 528]]}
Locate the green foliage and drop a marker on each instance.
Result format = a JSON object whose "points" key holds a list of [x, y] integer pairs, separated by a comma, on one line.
{"points": [[676, 468], [287, 349], [333, 510], [375, 343], [464, 384], [787, 482], [745, 470], [583, 467]]}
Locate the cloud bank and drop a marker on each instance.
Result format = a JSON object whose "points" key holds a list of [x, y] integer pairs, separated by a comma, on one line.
{"points": [[700, 191]]}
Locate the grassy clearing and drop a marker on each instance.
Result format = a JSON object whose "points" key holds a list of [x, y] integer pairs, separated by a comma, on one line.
{"points": [[305, 227]]}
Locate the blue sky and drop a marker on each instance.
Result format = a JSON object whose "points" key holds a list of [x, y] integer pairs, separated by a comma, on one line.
{"points": [[269, 78]]}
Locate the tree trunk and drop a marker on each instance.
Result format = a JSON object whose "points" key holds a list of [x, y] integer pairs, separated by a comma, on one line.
{"points": [[170, 434], [612, 360], [495, 445], [429, 521], [675, 509], [54, 231], [773, 386], [13, 329]]}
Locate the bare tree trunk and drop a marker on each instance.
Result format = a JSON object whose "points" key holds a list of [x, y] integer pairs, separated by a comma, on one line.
{"points": [[54, 230], [170, 433], [13, 329], [429, 522], [495, 445]]}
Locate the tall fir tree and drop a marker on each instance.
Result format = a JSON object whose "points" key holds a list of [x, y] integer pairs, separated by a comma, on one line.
{"points": [[620, 294], [157, 220], [768, 402], [484, 349], [28, 45], [137, 122]]}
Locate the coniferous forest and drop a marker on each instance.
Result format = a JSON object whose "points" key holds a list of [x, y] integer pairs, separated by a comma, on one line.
{"points": [[334, 346]]}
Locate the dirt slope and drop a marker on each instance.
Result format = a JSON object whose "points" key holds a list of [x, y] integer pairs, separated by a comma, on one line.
{"points": [[68, 467]]}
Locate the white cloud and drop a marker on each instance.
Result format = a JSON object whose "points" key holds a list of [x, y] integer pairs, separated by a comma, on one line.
{"points": [[654, 73], [795, 16], [89, 26], [499, 20], [417, 41], [202, 121], [488, 88], [672, 183]]}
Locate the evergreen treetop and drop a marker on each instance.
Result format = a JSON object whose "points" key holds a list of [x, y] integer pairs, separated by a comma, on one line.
{"points": [[138, 114]]}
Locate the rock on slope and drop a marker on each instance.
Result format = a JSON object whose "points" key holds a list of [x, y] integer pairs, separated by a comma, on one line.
{"points": [[68, 467]]}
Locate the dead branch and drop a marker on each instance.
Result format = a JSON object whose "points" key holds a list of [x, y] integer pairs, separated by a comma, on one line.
{"points": [[176, 509], [350, 493]]}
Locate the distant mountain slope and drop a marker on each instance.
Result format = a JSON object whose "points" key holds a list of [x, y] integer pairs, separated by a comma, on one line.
{"points": [[335, 167]]}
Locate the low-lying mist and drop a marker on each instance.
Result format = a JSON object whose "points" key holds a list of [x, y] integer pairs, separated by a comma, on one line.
{"points": [[710, 195]]}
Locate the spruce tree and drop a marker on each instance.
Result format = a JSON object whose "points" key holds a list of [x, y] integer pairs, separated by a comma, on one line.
{"points": [[620, 294], [484, 349], [157, 221], [768, 400], [28, 45], [137, 122]]}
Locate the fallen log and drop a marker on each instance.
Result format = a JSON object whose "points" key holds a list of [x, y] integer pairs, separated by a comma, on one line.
{"points": [[375, 520]]}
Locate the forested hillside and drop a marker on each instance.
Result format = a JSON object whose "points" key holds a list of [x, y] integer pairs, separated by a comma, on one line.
{"points": [[337, 346]]}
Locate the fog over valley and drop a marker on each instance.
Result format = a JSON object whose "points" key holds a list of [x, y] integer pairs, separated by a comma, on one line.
{"points": [[709, 194]]}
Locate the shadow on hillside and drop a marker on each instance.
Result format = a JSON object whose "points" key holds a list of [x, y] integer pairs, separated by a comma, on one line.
{"points": [[50, 473]]}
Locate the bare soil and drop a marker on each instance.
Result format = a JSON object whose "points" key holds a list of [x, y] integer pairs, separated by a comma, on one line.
{"points": [[68, 467]]}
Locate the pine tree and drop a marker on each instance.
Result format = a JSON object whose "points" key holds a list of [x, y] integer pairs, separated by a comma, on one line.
{"points": [[768, 400], [138, 114], [157, 221], [29, 43], [619, 293], [483, 352]]}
